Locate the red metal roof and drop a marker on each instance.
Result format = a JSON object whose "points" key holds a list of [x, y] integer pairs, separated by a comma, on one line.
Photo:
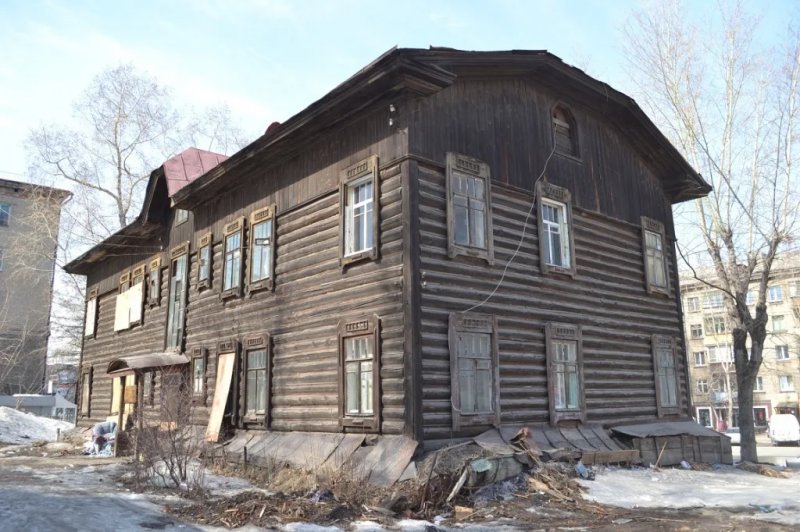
{"points": [[188, 166]]}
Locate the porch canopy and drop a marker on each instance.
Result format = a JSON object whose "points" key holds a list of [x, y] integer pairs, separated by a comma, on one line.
{"points": [[125, 365]]}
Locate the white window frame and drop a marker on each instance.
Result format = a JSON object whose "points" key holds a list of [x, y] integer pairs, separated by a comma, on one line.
{"points": [[775, 322], [782, 353], [549, 195], [758, 385], [701, 386], [350, 179], [90, 319], [775, 294], [703, 356], [696, 327], [181, 216], [693, 304], [713, 299], [560, 336], [785, 383], [368, 416]]}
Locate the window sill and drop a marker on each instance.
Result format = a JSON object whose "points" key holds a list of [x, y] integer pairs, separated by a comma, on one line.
{"points": [[550, 269], [657, 291], [365, 423], [365, 255], [455, 250], [263, 285], [233, 293]]}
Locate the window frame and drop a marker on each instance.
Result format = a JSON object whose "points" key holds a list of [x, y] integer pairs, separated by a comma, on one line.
{"points": [[5, 214], [693, 304], [657, 228], [703, 356], [758, 384], [778, 289], [149, 387], [474, 168], [782, 322], [788, 379], [205, 242], [481, 324], [782, 349], [85, 410], [90, 318], [260, 342], [571, 124], [154, 288], [703, 390], [199, 397], [137, 272], [122, 303], [181, 217], [564, 332], [230, 229], [547, 193], [714, 320], [365, 326], [696, 327], [263, 215], [662, 341], [175, 254], [354, 175]]}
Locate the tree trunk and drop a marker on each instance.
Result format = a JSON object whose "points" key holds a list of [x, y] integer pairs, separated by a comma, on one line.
{"points": [[745, 378]]}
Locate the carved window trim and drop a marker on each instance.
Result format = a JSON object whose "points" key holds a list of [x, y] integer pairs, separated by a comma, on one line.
{"points": [[199, 397], [175, 254], [154, 282], [85, 408], [480, 324], [660, 342], [264, 215], [571, 333], [564, 125], [656, 228], [232, 228], [205, 245], [91, 314], [138, 275], [369, 327], [475, 169], [261, 342], [354, 175], [549, 194]]}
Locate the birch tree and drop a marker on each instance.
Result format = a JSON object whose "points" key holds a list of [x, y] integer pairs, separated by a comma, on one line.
{"points": [[731, 106]]}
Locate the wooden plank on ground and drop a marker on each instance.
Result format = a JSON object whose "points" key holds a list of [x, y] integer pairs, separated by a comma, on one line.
{"points": [[593, 440], [225, 363], [601, 433], [388, 459], [576, 439], [347, 446]]}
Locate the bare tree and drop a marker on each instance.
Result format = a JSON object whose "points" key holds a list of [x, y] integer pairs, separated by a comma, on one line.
{"points": [[731, 107]]}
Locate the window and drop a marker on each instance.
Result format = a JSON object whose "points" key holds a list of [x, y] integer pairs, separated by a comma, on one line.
{"points": [[778, 323], [122, 308], [666, 375], [262, 238], [204, 268], [5, 214], [181, 216], [693, 304], [473, 370], [232, 265], [775, 294], [555, 231], [90, 323], [199, 374], [176, 314], [794, 289], [565, 132], [86, 391], [696, 330], [715, 325], [702, 386], [136, 296], [713, 299], [785, 383], [469, 215], [358, 221], [704, 416], [256, 374], [751, 297], [720, 353], [149, 391], [154, 283], [653, 238], [758, 386], [782, 352], [700, 358], [117, 384], [564, 372], [359, 373]]}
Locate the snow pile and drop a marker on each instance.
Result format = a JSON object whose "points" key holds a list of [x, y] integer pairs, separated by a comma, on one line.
{"points": [[21, 427]]}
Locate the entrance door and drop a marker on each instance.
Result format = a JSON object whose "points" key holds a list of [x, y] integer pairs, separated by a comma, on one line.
{"points": [[225, 364]]}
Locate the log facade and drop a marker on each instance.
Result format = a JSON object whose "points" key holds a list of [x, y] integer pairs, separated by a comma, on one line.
{"points": [[418, 329]]}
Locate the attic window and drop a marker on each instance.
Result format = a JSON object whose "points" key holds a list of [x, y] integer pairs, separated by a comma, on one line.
{"points": [[181, 216], [565, 132]]}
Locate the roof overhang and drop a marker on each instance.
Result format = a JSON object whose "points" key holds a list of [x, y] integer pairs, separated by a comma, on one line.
{"points": [[153, 360]]}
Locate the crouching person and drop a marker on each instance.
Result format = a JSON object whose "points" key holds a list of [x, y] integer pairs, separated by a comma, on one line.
{"points": [[101, 433]]}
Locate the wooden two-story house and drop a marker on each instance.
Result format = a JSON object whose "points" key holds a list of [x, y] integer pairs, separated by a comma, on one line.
{"points": [[445, 242]]}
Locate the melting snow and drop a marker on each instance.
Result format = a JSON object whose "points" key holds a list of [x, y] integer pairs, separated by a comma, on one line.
{"points": [[21, 427]]}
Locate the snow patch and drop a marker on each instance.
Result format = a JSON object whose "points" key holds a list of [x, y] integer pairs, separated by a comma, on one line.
{"points": [[21, 427]]}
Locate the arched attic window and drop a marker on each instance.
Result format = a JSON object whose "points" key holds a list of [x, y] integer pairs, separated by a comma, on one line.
{"points": [[565, 132]]}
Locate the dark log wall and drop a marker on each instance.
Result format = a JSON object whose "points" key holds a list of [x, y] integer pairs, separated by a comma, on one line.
{"points": [[506, 123], [607, 299]]}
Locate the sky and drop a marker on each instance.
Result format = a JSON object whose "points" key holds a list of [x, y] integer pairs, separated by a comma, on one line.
{"points": [[269, 59]]}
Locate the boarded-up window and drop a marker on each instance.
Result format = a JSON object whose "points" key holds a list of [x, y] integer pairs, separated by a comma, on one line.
{"points": [[474, 372], [666, 375], [175, 407], [176, 314], [86, 392], [554, 217], [655, 262], [262, 249], [565, 132], [359, 222], [469, 223], [136, 296], [256, 375], [149, 387], [90, 325], [565, 372], [232, 258], [116, 394], [359, 375]]}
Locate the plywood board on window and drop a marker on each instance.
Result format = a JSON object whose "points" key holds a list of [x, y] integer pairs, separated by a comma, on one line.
{"points": [[225, 364]]}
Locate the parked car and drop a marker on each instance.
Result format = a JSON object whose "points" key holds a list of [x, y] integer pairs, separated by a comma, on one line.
{"points": [[733, 434], [784, 428]]}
